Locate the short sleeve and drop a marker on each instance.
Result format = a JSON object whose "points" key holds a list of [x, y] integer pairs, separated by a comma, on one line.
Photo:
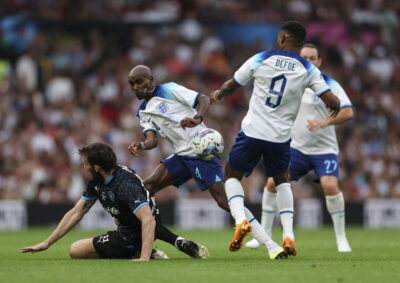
{"points": [[317, 82], [182, 94], [90, 192], [145, 123], [245, 73], [133, 195], [340, 93]]}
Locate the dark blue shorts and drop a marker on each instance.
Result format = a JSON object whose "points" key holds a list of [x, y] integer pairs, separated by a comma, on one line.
{"points": [[323, 164], [247, 151], [184, 168]]}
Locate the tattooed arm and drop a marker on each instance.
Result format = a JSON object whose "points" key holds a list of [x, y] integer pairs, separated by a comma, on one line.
{"points": [[228, 87], [70, 219]]}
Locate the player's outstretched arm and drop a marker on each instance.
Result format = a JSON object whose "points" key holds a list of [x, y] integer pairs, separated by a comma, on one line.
{"points": [[227, 88], [332, 102], [137, 146], [203, 102], [148, 227], [70, 219], [344, 115]]}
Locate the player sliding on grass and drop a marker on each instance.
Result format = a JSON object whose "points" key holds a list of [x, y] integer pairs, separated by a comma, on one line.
{"points": [[168, 110], [121, 192], [314, 147], [280, 78]]}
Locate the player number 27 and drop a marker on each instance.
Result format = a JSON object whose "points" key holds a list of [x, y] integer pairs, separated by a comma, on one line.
{"points": [[331, 165], [277, 93]]}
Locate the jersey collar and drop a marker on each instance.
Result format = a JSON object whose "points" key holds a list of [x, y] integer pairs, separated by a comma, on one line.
{"points": [[108, 180], [112, 176], [142, 106]]}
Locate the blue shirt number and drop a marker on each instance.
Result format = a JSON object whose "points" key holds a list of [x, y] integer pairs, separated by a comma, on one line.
{"points": [[272, 90]]}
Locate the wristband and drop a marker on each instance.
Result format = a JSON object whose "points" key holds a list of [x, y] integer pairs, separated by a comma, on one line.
{"points": [[143, 145], [198, 116]]}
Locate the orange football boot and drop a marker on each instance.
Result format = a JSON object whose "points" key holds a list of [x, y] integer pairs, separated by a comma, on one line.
{"points": [[289, 246], [241, 231]]}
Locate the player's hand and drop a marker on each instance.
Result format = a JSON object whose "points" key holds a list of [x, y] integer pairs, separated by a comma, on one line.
{"points": [[135, 148], [334, 112], [33, 249], [214, 97], [140, 259], [190, 122], [314, 125]]}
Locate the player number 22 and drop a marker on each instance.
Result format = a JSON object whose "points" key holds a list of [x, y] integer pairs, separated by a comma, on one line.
{"points": [[277, 93]]}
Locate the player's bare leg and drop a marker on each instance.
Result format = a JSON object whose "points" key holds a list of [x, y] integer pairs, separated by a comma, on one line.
{"points": [[159, 179], [217, 191], [335, 205], [83, 249]]}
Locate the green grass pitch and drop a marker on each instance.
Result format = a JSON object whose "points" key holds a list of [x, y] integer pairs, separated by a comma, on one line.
{"points": [[375, 258]]}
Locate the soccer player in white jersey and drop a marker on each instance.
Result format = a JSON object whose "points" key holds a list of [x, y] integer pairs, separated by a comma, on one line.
{"points": [[314, 147], [280, 78], [164, 112]]}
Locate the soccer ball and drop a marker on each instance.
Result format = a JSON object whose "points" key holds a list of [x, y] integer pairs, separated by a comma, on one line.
{"points": [[208, 144]]}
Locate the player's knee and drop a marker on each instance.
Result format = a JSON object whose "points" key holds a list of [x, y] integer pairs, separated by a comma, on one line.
{"points": [[331, 189], [330, 186], [271, 186], [280, 179], [74, 251]]}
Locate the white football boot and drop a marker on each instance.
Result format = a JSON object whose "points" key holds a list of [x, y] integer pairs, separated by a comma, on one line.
{"points": [[343, 244], [253, 244]]}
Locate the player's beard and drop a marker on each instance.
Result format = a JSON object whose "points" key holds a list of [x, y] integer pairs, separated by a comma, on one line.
{"points": [[96, 176]]}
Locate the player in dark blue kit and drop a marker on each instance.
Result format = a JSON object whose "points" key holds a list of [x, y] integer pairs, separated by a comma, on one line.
{"points": [[122, 193]]}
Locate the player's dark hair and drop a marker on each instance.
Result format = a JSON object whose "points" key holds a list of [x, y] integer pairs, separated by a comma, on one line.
{"points": [[312, 45], [99, 154], [296, 29]]}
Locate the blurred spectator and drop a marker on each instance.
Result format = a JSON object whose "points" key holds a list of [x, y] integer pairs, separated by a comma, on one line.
{"points": [[60, 89], [63, 83], [26, 71]]}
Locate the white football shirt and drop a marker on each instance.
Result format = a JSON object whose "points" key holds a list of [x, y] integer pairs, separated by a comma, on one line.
{"points": [[280, 78], [324, 140], [163, 113]]}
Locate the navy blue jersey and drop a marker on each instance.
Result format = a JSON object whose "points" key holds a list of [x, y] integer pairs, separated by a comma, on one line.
{"points": [[121, 195]]}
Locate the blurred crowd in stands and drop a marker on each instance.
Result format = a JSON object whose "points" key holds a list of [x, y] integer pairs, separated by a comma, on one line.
{"points": [[61, 87]]}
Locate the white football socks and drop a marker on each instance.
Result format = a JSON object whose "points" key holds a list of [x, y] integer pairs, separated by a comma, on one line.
{"points": [[335, 205], [235, 194], [268, 211], [259, 233], [284, 201]]}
